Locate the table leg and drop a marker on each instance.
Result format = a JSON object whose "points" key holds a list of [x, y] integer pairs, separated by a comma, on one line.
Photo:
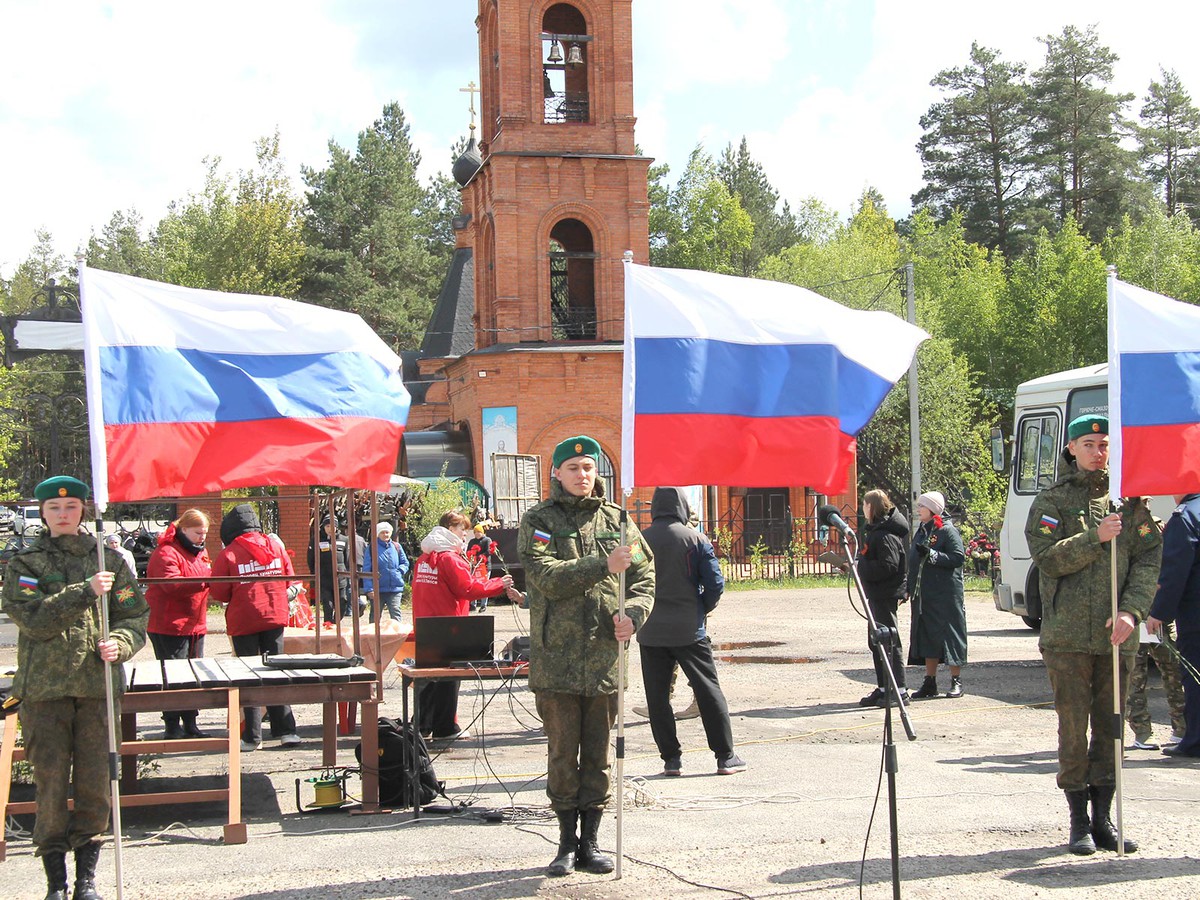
{"points": [[7, 745], [413, 786], [235, 828], [370, 751], [329, 722], [129, 763]]}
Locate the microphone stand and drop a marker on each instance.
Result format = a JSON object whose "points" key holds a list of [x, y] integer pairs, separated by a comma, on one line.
{"points": [[884, 638]]}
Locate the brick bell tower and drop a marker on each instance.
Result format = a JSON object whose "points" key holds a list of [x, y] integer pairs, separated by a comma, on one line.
{"points": [[552, 197]]}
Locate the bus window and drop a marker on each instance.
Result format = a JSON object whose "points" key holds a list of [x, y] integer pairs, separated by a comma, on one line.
{"points": [[1089, 401], [1037, 454]]}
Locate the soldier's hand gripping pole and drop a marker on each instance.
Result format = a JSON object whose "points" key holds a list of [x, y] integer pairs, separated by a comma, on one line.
{"points": [[620, 787], [114, 755], [1118, 725]]}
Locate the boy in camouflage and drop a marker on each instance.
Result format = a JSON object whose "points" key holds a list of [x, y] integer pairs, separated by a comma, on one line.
{"points": [[572, 553], [1072, 530], [50, 592]]}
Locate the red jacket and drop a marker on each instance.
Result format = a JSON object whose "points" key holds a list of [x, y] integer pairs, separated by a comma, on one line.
{"points": [[177, 609], [444, 586], [252, 606]]}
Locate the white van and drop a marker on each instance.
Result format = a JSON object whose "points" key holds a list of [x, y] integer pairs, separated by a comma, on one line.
{"points": [[1043, 409], [28, 520]]}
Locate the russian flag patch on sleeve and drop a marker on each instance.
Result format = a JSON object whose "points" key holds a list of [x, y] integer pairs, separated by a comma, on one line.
{"points": [[27, 583], [1049, 522], [542, 537]]}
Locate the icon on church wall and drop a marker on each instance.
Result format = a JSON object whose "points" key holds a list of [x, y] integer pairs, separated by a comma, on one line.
{"points": [[499, 436]]}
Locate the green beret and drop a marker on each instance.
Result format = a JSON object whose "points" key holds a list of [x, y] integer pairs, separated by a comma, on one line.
{"points": [[580, 445], [61, 486], [1087, 425]]}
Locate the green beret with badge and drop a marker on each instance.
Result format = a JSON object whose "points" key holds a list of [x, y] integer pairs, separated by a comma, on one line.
{"points": [[580, 445], [61, 486], [1085, 425]]}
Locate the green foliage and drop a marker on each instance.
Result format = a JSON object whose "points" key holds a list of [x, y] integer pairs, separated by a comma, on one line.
{"points": [[1169, 139], [774, 228], [377, 238], [442, 496]]}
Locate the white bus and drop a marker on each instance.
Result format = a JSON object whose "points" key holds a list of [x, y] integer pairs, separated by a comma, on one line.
{"points": [[1043, 409]]}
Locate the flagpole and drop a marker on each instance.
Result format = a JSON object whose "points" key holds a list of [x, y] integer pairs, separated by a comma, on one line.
{"points": [[621, 695], [91, 368], [1114, 389]]}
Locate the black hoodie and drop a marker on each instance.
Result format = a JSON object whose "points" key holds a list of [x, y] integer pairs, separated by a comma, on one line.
{"points": [[239, 520], [687, 578], [881, 561]]}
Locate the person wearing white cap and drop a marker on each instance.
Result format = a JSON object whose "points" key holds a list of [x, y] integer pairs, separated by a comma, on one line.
{"points": [[113, 542], [935, 586], [392, 562]]}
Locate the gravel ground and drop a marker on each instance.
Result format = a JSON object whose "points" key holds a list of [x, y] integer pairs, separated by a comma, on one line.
{"points": [[979, 814]]}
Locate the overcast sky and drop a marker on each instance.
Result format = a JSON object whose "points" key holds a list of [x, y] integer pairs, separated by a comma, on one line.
{"points": [[108, 106]]}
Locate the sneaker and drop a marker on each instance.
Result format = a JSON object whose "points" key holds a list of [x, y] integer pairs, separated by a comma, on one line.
{"points": [[250, 746], [289, 740], [673, 766], [731, 765], [875, 698], [1173, 739], [453, 736], [691, 712], [1145, 743], [956, 690]]}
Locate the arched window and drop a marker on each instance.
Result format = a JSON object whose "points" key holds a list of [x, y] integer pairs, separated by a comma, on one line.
{"points": [[572, 282], [564, 65], [606, 473]]}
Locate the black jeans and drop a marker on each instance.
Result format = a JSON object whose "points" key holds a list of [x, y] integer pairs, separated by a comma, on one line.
{"points": [[439, 708], [177, 646], [885, 617], [282, 720], [697, 663]]}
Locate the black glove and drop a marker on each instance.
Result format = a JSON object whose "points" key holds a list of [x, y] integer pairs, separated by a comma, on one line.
{"points": [[922, 549]]}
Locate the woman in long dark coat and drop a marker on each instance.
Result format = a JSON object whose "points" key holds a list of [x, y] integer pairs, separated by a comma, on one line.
{"points": [[935, 586]]}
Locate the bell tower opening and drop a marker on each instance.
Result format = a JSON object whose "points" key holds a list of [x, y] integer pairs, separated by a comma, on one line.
{"points": [[572, 281], [565, 65]]}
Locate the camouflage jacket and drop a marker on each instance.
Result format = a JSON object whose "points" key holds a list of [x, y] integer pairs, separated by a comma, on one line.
{"points": [[564, 543], [1074, 566], [46, 593]]}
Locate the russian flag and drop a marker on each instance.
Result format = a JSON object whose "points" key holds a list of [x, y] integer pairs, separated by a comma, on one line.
{"points": [[739, 381], [1154, 393], [191, 391]]}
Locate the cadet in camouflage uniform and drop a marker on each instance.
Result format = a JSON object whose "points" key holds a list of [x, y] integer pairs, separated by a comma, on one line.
{"points": [[1139, 708], [1071, 531], [571, 549], [50, 592]]}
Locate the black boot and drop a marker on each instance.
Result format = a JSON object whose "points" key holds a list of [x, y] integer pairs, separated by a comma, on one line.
{"points": [[1081, 843], [190, 728], [927, 689], [588, 857], [85, 872], [171, 729], [1104, 832], [564, 862], [55, 864]]}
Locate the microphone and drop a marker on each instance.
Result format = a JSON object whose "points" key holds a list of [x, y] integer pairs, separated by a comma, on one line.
{"points": [[828, 516]]}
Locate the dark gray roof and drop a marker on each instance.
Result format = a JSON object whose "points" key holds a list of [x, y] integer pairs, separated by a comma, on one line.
{"points": [[451, 331]]}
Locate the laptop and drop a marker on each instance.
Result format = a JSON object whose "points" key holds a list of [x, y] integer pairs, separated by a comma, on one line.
{"points": [[443, 641]]}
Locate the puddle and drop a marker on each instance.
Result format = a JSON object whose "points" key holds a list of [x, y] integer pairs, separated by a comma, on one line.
{"points": [[746, 645], [778, 660]]}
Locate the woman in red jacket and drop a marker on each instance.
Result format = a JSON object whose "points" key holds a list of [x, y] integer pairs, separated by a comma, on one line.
{"points": [[256, 610], [178, 612], [444, 586]]}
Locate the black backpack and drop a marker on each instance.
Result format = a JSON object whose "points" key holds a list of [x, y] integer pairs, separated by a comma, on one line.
{"points": [[395, 753]]}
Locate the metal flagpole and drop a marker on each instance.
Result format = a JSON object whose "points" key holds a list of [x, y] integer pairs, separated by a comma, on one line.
{"points": [[621, 698], [1117, 723], [114, 755], [99, 454]]}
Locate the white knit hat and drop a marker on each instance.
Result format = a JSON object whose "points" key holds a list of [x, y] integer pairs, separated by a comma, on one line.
{"points": [[383, 526], [932, 501]]}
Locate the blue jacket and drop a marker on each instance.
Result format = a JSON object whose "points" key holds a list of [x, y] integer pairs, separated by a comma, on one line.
{"points": [[393, 566], [1178, 596]]}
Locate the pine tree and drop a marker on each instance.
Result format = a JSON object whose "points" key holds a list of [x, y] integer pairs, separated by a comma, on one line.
{"points": [[1170, 141]]}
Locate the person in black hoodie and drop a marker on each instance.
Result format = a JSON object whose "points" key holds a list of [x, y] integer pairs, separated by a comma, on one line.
{"points": [[332, 544], [882, 565], [687, 585]]}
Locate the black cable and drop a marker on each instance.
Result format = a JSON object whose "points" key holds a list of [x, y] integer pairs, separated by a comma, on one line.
{"points": [[862, 867]]}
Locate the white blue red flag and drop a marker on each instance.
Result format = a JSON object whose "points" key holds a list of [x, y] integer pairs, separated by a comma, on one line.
{"points": [[1153, 393], [738, 381], [191, 391]]}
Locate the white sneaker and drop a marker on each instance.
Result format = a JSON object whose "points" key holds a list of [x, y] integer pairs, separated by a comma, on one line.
{"points": [[289, 740], [1173, 739], [250, 746]]}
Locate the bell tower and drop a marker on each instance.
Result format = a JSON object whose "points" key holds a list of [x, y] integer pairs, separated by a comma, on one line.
{"points": [[561, 193]]}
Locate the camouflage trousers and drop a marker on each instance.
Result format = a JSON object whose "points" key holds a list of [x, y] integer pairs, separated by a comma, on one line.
{"points": [[1168, 667], [577, 734], [1083, 684], [61, 736]]}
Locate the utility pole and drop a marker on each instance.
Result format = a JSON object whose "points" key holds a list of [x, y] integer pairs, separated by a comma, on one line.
{"points": [[914, 412]]}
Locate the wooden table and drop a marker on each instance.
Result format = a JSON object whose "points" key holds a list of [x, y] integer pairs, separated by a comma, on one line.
{"points": [[411, 677], [227, 683]]}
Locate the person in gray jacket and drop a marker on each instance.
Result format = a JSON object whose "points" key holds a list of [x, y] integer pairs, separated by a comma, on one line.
{"points": [[687, 587]]}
